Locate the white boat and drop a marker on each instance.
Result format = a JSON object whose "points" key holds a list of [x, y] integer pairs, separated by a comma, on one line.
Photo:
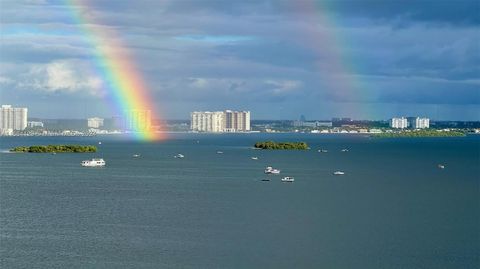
{"points": [[136, 155], [323, 150], [288, 179], [99, 143], [338, 173], [93, 162], [219, 152], [441, 166], [254, 158], [344, 150], [271, 170], [179, 156]]}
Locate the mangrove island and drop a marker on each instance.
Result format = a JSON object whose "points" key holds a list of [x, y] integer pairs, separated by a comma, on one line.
{"points": [[281, 145], [56, 149]]}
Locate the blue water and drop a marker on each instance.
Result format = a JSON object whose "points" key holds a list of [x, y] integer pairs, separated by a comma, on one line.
{"points": [[394, 208]]}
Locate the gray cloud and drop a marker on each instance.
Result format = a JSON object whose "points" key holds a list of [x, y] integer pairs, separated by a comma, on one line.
{"points": [[259, 55]]}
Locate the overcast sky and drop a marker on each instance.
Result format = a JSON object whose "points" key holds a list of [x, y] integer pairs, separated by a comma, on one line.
{"points": [[278, 59]]}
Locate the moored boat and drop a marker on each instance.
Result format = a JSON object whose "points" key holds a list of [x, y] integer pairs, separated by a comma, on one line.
{"points": [[271, 170], [93, 163], [288, 179]]}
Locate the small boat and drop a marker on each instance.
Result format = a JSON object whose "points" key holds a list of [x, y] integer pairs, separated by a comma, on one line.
{"points": [[441, 166], [338, 173], [271, 170], [265, 179], [99, 143], [344, 150], [179, 156], [288, 179], [254, 158], [93, 163], [53, 153], [219, 152], [322, 150], [136, 155]]}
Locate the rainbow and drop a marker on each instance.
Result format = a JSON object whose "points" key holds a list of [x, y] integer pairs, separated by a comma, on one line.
{"points": [[122, 79], [331, 48]]}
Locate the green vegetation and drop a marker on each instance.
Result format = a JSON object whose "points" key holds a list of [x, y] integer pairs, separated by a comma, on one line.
{"points": [[281, 145], [422, 133], [56, 149]]}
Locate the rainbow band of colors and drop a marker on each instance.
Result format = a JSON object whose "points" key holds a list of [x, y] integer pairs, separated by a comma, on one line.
{"points": [[116, 67]]}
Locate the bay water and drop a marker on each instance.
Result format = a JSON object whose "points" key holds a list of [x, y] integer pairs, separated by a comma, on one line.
{"points": [[393, 208]]}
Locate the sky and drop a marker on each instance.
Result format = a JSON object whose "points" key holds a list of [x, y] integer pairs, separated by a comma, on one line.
{"points": [[364, 59]]}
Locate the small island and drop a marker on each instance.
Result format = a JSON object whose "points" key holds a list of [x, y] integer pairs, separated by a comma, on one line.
{"points": [[421, 133], [56, 149], [281, 145]]}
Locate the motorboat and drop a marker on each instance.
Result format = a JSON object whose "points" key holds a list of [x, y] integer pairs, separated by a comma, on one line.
{"points": [[136, 155], [93, 163], [441, 166], [344, 150], [219, 152], [322, 150], [338, 173], [265, 179], [271, 170], [288, 179], [179, 156], [254, 158]]}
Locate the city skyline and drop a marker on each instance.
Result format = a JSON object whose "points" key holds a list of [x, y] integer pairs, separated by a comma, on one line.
{"points": [[323, 59]]}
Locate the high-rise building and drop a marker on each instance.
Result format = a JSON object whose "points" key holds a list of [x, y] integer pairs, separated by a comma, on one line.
{"points": [[237, 121], [399, 123], [207, 121], [418, 123], [13, 118], [95, 122], [138, 120], [220, 121]]}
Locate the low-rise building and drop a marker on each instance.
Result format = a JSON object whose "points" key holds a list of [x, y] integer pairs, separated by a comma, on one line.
{"points": [[35, 124]]}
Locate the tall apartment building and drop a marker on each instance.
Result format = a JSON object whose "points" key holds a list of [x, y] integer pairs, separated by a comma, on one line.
{"points": [[220, 121], [138, 120], [207, 121], [13, 118], [418, 123], [237, 121], [399, 123], [95, 122]]}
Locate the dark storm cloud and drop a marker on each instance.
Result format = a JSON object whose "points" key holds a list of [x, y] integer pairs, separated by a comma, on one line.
{"points": [[443, 11]]}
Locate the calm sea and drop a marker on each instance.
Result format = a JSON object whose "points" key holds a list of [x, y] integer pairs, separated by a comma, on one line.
{"points": [[393, 208]]}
